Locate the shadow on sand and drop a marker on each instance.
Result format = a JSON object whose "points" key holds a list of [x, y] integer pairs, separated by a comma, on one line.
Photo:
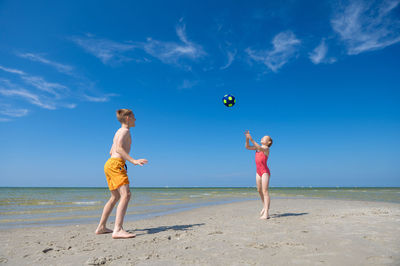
{"points": [[287, 214], [155, 230]]}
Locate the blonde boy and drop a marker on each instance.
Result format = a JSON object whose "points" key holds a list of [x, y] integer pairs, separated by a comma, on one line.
{"points": [[117, 178]]}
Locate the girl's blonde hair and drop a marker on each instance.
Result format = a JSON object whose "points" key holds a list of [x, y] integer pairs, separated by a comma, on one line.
{"points": [[270, 144], [122, 113]]}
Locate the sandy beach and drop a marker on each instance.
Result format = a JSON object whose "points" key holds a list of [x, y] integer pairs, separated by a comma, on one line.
{"points": [[300, 232]]}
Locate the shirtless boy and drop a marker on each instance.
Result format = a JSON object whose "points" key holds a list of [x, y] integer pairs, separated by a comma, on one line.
{"points": [[117, 178]]}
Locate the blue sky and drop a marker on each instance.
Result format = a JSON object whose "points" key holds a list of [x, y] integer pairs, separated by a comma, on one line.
{"points": [[319, 77]]}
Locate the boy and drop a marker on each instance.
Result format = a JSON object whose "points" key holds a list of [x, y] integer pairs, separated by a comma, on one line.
{"points": [[117, 178]]}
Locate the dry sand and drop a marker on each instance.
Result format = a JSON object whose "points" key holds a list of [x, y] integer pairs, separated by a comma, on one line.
{"points": [[301, 231]]}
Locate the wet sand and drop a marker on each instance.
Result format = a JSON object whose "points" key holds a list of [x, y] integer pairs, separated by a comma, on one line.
{"points": [[300, 231]]}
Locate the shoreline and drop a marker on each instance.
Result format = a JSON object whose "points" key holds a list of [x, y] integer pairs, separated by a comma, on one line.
{"points": [[168, 187], [130, 218], [300, 231]]}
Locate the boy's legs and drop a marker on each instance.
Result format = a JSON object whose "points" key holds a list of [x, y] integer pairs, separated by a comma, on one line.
{"points": [[259, 189], [265, 185], [102, 229], [119, 232]]}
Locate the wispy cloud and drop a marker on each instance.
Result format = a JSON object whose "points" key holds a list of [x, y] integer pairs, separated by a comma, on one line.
{"points": [[11, 70], [61, 91], [109, 52], [55, 89], [66, 69], [11, 90], [285, 46], [187, 84], [367, 25], [172, 52], [9, 110], [38, 82], [29, 96], [231, 57], [70, 106], [98, 99], [49, 95], [318, 55]]}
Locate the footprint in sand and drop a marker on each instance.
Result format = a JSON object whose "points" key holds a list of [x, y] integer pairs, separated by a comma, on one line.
{"points": [[96, 261], [274, 245], [258, 245], [215, 233], [381, 259]]}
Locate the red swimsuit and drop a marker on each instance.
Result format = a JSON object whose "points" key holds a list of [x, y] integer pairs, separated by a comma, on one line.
{"points": [[261, 163]]}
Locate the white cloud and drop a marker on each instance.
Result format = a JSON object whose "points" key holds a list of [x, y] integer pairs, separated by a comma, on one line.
{"points": [[285, 46], [50, 95], [231, 57], [318, 55], [70, 106], [187, 84], [47, 95], [38, 82], [8, 110], [172, 52], [26, 95], [58, 90], [55, 89], [366, 26], [109, 52], [37, 58], [10, 70], [99, 99]]}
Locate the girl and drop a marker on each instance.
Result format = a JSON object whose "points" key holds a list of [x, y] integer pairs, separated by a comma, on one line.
{"points": [[263, 173]]}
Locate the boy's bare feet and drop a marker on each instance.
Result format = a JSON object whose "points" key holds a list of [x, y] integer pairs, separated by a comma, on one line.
{"points": [[103, 230], [262, 211], [121, 234]]}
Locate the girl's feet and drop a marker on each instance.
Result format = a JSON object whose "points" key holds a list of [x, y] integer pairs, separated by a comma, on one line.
{"points": [[265, 216], [262, 211]]}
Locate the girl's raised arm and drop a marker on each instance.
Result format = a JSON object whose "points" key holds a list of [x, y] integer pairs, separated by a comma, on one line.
{"points": [[248, 137]]}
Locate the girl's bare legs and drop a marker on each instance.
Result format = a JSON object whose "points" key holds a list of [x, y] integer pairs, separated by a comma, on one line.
{"points": [[102, 229], [259, 189], [267, 201], [119, 232]]}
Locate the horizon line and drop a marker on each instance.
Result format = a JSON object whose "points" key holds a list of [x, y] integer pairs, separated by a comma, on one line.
{"points": [[166, 187]]}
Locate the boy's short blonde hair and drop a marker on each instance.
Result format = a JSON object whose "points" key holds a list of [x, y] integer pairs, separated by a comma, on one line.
{"points": [[122, 113]]}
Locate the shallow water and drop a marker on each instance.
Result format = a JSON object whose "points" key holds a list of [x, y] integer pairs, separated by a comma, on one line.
{"points": [[21, 207]]}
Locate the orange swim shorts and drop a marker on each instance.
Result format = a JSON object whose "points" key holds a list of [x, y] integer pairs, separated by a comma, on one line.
{"points": [[115, 173]]}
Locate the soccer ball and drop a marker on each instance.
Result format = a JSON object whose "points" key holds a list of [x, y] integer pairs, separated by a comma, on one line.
{"points": [[229, 100]]}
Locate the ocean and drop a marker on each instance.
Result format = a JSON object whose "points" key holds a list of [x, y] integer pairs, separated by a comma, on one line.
{"points": [[28, 207]]}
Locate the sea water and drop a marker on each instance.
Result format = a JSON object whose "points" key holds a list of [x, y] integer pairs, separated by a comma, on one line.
{"points": [[26, 207]]}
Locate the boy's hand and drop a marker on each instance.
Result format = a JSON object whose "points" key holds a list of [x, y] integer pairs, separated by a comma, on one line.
{"points": [[140, 162], [247, 134]]}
